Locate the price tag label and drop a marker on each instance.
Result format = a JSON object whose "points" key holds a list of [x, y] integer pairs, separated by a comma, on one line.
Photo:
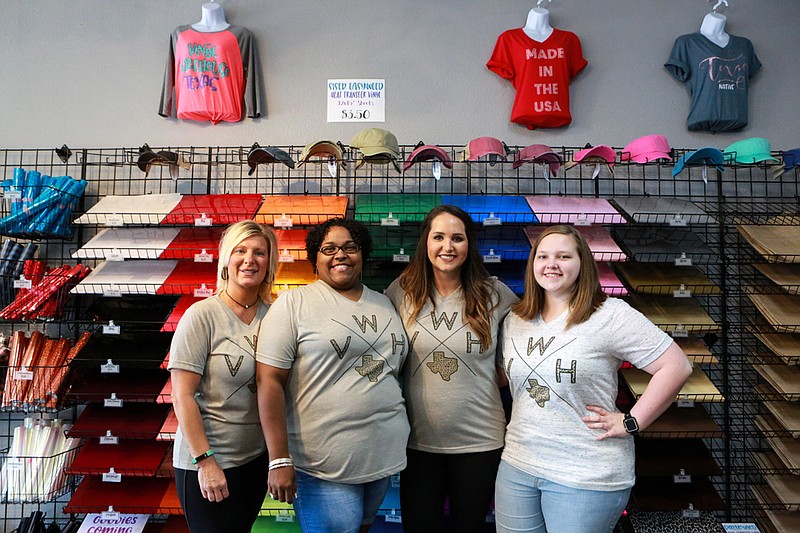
{"points": [[393, 517], [23, 375], [356, 100], [492, 221], [113, 401], [109, 439], [111, 329], [395, 481], [685, 403], [203, 257], [22, 283], [492, 257], [12, 194], [680, 332], [284, 516], [682, 293], [14, 463], [112, 477], [285, 257], [681, 478], [203, 221], [401, 257], [683, 260], [390, 221], [582, 220], [112, 292], [203, 292], [677, 221], [109, 368], [284, 222], [690, 513], [114, 220], [110, 515], [115, 255]]}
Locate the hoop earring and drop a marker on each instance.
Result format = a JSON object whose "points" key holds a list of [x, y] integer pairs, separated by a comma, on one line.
{"points": [[224, 274]]}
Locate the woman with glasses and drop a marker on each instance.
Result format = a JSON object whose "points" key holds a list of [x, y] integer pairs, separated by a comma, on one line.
{"points": [[452, 309], [329, 398], [220, 456]]}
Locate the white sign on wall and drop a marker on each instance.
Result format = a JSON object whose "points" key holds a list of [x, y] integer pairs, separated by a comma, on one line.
{"points": [[356, 100]]}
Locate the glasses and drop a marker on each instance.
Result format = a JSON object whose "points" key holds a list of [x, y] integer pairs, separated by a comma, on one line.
{"points": [[348, 248]]}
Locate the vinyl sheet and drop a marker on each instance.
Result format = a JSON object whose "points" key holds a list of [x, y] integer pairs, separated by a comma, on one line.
{"points": [[569, 210], [134, 209], [127, 243], [509, 209], [302, 209], [222, 209]]}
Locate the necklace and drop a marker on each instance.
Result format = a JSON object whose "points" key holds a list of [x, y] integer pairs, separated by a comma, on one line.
{"points": [[240, 304]]}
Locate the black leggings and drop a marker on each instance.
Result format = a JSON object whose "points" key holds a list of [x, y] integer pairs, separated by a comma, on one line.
{"points": [[466, 478], [247, 485]]}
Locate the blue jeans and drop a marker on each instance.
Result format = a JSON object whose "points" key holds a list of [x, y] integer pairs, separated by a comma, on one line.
{"points": [[531, 504], [329, 507]]}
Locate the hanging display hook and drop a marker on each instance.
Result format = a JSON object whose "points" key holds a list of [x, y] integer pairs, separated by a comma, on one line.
{"points": [[719, 3], [539, 2]]}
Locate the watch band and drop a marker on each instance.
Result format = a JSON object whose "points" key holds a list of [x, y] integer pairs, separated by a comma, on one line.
{"points": [[630, 424], [203, 457]]}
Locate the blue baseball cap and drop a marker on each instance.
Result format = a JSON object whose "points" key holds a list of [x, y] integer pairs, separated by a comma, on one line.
{"points": [[703, 156], [791, 159]]}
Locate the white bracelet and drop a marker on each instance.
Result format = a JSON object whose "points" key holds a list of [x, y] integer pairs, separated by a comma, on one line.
{"points": [[280, 463]]}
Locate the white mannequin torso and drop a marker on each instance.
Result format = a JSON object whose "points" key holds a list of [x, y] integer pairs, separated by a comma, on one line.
{"points": [[537, 27], [713, 28], [213, 19]]}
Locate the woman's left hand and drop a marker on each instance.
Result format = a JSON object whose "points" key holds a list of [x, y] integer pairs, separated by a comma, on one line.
{"points": [[610, 423]]}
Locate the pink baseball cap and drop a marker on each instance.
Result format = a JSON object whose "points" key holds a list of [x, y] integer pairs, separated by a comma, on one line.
{"points": [[482, 146], [427, 152], [538, 153], [601, 152], [646, 149]]}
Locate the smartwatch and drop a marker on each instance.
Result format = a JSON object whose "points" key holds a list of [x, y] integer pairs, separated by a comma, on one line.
{"points": [[630, 423]]}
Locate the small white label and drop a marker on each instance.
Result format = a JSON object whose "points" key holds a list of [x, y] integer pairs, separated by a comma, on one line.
{"points": [[683, 260], [111, 329], [395, 481], [14, 463], [390, 221], [203, 257], [109, 368], [286, 258], [203, 221], [22, 283], [109, 439], [12, 194], [582, 220], [680, 331], [114, 255], [112, 402], [677, 221], [112, 293], [284, 222], [23, 375], [393, 517], [284, 516], [492, 221], [112, 477], [492, 258], [685, 403], [690, 513], [436, 170], [401, 258], [203, 292], [682, 293], [110, 515], [681, 478], [114, 220]]}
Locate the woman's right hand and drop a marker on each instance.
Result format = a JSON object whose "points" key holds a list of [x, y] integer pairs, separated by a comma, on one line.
{"points": [[282, 484], [213, 485]]}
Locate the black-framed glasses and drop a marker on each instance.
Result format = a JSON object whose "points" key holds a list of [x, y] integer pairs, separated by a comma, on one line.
{"points": [[348, 248]]}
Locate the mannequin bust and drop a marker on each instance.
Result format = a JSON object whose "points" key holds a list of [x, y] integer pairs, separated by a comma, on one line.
{"points": [[537, 27], [213, 18], [713, 28]]}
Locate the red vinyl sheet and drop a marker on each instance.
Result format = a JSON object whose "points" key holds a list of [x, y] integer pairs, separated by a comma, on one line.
{"points": [[222, 209], [133, 495], [192, 241], [188, 276], [184, 302], [132, 420], [131, 457], [132, 385]]}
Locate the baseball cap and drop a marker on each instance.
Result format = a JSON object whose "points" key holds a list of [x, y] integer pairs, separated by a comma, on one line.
{"points": [[707, 155], [791, 158], [538, 153], [601, 153], [427, 152], [646, 149], [267, 154], [321, 150], [747, 151], [485, 146], [148, 158], [377, 146]]}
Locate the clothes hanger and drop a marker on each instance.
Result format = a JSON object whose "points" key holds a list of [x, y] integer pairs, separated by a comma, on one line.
{"points": [[719, 3], [539, 2]]}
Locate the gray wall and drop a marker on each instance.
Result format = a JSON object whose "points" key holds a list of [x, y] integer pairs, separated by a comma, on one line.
{"points": [[88, 73]]}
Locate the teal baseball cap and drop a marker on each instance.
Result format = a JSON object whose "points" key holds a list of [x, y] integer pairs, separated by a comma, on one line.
{"points": [[749, 151], [704, 156]]}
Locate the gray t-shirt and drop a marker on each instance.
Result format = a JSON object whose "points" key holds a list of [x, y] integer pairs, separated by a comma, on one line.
{"points": [[718, 80], [345, 412], [212, 341], [449, 383], [554, 374]]}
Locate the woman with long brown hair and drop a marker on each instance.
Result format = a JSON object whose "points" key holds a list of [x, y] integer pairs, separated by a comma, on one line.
{"points": [[451, 308]]}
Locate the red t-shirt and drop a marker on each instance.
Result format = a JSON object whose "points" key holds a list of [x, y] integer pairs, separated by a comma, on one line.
{"points": [[540, 73]]}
